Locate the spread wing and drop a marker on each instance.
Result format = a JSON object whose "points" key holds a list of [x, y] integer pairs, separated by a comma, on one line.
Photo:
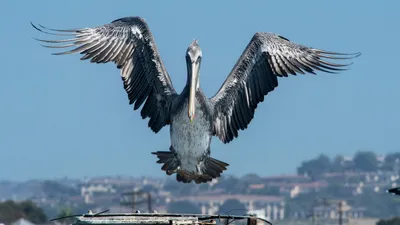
{"points": [[265, 58], [128, 43]]}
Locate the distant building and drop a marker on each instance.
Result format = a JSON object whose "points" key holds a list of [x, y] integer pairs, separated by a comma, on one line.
{"points": [[290, 178], [269, 207], [363, 221], [89, 190], [330, 211], [364, 182], [291, 189], [22, 221]]}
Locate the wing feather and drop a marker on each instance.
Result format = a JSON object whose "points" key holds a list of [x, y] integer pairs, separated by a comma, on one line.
{"points": [[265, 58], [129, 44]]}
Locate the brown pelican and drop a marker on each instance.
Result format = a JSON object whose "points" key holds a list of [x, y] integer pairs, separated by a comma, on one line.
{"points": [[193, 118]]}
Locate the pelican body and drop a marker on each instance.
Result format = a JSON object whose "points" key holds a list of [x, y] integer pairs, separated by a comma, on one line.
{"points": [[193, 117]]}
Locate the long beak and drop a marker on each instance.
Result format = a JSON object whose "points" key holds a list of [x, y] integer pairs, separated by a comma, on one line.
{"points": [[192, 94]]}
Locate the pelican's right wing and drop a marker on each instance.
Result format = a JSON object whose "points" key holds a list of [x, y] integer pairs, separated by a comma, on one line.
{"points": [[128, 43], [265, 58]]}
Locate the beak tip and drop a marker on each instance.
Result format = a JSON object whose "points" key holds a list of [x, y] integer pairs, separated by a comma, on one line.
{"points": [[191, 118]]}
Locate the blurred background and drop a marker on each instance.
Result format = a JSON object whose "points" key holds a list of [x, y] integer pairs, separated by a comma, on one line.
{"points": [[321, 149]]}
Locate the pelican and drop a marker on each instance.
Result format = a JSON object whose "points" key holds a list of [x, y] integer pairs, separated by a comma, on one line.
{"points": [[193, 117]]}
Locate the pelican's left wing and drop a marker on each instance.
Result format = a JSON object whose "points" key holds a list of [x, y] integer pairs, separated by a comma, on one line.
{"points": [[265, 58], [128, 43]]}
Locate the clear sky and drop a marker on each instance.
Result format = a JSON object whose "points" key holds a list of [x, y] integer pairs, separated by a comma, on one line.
{"points": [[60, 116]]}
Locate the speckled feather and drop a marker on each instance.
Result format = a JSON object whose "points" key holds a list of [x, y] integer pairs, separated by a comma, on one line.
{"points": [[191, 140]]}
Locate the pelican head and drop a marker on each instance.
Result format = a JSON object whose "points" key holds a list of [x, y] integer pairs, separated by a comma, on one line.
{"points": [[193, 60]]}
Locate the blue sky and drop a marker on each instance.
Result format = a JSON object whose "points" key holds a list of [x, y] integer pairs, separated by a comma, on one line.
{"points": [[60, 116]]}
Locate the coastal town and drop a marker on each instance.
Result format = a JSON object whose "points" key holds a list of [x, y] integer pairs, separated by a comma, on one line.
{"points": [[323, 189]]}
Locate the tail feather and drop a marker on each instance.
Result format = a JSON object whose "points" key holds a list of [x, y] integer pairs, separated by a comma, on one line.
{"points": [[188, 178], [168, 159], [183, 178], [214, 167]]}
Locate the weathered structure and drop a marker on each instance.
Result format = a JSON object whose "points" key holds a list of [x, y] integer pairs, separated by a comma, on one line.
{"points": [[161, 219]]}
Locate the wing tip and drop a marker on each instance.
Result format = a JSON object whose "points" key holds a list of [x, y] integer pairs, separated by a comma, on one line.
{"points": [[34, 26], [334, 67], [43, 29], [353, 55], [332, 54]]}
